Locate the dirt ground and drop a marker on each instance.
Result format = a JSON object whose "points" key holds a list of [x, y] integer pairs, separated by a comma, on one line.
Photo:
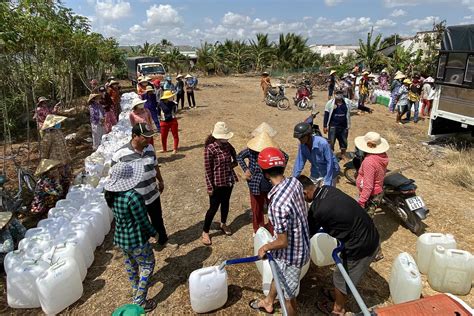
{"points": [[237, 101]]}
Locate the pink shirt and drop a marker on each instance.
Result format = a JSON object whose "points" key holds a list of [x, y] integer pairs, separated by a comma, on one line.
{"points": [[143, 117], [371, 176]]}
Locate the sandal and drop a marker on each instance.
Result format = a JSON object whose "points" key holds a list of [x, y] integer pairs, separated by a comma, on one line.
{"points": [[206, 240], [149, 305], [328, 294], [226, 230], [379, 256], [254, 305]]}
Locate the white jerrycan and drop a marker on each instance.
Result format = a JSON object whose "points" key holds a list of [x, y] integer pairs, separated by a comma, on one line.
{"points": [[322, 246], [425, 245], [21, 288], [70, 250], [13, 259], [208, 289], [451, 270], [405, 280], [59, 286], [80, 236]]}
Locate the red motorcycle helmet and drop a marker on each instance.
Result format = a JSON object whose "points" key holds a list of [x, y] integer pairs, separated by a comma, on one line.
{"points": [[271, 157]]}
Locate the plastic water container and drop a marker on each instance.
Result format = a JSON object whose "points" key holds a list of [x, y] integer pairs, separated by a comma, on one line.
{"points": [[35, 231], [68, 203], [405, 279], [322, 246], [86, 228], [21, 288], [451, 270], [70, 251], [100, 209], [97, 225], [55, 225], [77, 195], [79, 237], [59, 286], [13, 259], [425, 245], [67, 212], [208, 289], [262, 237]]}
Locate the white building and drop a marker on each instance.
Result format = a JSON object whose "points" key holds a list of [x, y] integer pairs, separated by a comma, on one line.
{"points": [[326, 49]]}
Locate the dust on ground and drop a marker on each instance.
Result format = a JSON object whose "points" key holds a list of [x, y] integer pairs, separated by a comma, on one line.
{"points": [[237, 101]]}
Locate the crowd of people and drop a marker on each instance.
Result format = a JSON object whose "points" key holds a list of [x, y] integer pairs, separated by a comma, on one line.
{"points": [[135, 183]]}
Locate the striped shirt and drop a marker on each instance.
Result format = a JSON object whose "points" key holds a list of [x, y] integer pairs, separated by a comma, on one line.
{"points": [[288, 214], [147, 187]]}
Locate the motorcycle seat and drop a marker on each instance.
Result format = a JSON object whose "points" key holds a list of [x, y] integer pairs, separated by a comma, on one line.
{"points": [[397, 180]]}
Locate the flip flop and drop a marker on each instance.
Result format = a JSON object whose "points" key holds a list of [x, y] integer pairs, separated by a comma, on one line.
{"points": [[254, 305], [149, 305], [327, 293], [206, 241]]}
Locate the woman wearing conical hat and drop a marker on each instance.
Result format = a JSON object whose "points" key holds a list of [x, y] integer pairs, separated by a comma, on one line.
{"points": [[48, 190], [259, 186]]}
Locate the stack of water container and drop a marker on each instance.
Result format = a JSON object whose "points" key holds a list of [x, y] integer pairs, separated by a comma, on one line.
{"points": [[51, 262], [449, 269]]}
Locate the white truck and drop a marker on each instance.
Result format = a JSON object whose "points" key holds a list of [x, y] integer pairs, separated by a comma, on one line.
{"points": [[453, 106]]}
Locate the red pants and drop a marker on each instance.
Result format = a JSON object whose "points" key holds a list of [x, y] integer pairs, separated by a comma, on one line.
{"points": [[256, 203], [426, 107], [165, 127]]}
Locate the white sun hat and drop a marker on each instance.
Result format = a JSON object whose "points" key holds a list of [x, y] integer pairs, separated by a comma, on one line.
{"points": [[221, 131], [372, 143]]}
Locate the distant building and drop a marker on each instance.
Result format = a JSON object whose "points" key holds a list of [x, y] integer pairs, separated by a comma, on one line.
{"points": [[414, 43], [326, 49]]}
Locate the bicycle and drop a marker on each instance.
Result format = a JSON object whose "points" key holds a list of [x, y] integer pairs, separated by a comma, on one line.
{"points": [[15, 202]]}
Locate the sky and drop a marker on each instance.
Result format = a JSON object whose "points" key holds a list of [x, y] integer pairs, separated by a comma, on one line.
{"points": [[192, 22]]}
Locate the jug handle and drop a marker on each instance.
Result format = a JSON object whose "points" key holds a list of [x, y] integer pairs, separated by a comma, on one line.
{"points": [[58, 264]]}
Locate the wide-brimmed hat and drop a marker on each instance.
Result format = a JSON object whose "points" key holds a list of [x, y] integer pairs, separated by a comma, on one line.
{"points": [[407, 81], [332, 72], [92, 96], [399, 75], [51, 120], [41, 99], [384, 70], [137, 101], [5, 218], [167, 95], [179, 76], [221, 131], [188, 76], [365, 73], [125, 176], [143, 80], [265, 73], [149, 89], [46, 165], [264, 127], [429, 80], [113, 82], [261, 141], [372, 143]]}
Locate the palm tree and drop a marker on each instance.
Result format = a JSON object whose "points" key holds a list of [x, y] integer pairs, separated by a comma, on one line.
{"points": [[236, 55], [369, 51], [262, 52], [175, 60]]}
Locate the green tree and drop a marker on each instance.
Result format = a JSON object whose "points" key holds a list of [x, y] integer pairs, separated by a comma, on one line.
{"points": [[369, 52]]}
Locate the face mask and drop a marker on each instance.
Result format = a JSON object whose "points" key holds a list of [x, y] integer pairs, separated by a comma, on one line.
{"points": [[57, 126], [224, 140]]}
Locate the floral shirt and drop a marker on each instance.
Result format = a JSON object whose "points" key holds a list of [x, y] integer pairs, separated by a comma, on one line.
{"points": [[40, 115], [47, 193], [97, 113]]}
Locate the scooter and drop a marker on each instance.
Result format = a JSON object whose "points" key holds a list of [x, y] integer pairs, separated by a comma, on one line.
{"points": [[399, 195], [277, 98]]}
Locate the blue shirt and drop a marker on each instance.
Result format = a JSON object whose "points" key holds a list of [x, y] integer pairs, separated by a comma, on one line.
{"points": [[151, 103], [167, 110], [338, 117], [322, 159]]}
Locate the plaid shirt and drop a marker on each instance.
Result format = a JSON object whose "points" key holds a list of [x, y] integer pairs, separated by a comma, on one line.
{"points": [[218, 160], [132, 226], [257, 175], [288, 214]]}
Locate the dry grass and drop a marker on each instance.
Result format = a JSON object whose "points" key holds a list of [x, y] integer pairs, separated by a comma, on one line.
{"points": [[457, 167], [392, 136]]}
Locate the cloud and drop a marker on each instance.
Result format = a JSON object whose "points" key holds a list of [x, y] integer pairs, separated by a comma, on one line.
{"points": [[384, 23], [469, 4], [163, 14], [468, 17], [234, 19], [208, 20], [398, 12], [332, 3], [423, 24], [112, 10]]}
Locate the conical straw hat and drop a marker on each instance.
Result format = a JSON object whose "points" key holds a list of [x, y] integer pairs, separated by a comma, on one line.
{"points": [[5, 218], [264, 127], [261, 141], [51, 120], [46, 165]]}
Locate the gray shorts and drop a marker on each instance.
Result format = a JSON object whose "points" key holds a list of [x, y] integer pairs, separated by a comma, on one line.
{"points": [[356, 269], [291, 276]]}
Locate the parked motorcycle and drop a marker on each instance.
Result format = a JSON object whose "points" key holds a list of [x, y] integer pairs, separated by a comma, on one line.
{"points": [[277, 98], [302, 97], [399, 195]]}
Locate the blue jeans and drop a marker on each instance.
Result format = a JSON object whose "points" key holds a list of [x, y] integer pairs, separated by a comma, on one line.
{"points": [[339, 133], [415, 104]]}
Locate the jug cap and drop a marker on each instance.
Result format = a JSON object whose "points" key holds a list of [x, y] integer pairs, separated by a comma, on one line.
{"points": [[440, 249]]}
